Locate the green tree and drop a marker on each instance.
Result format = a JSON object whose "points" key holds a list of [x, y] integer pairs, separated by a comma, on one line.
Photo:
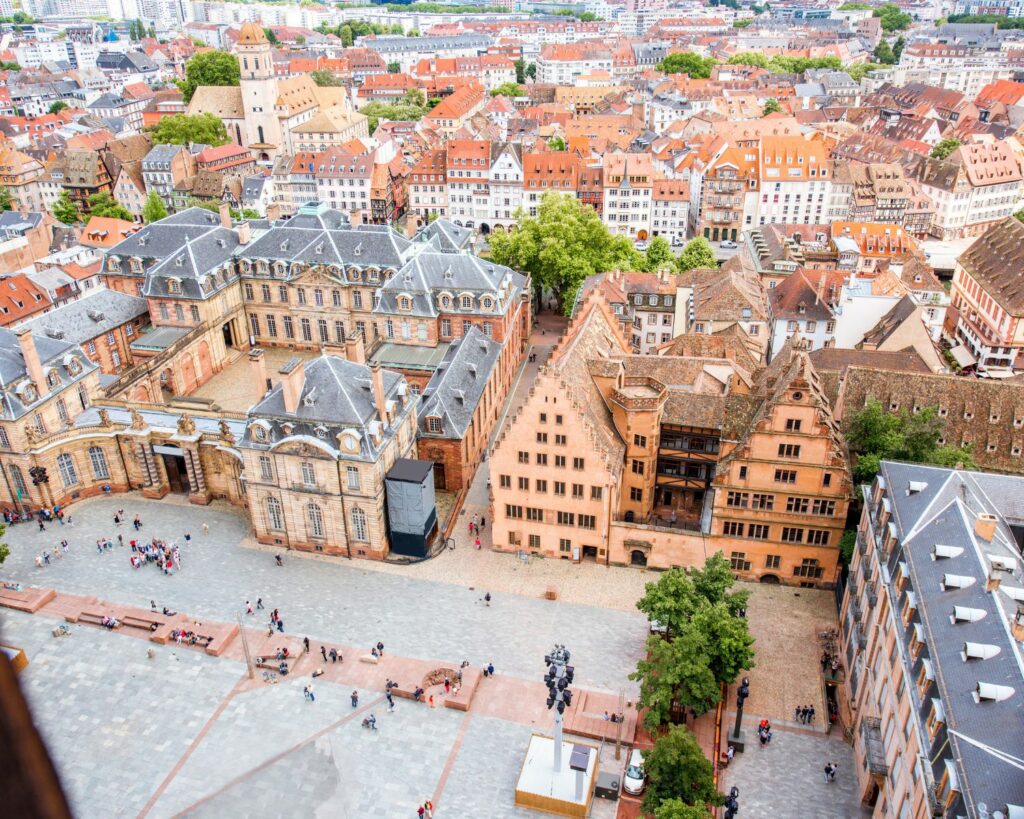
{"points": [[520, 71], [855, 7], [846, 545], [677, 769], [713, 582], [588, 17], [678, 809], [753, 58], [699, 68], [697, 253], [944, 148], [659, 255], [875, 434], [102, 203], [556, 143], [64, 209], [269, 32], [675, 674], [413, 32], [860, 70], [531, 71], [154, 210], [7, 65], [300, 39], [209, 68], [5, 551], [57, 107], [743, 23], [6, 203], [563, 244], [509, 89], [772, 106], [394, 67], [892, 17], [883, 53], [346, 35], [411, 107], [897, 48], [181, 129], [325, 78]]}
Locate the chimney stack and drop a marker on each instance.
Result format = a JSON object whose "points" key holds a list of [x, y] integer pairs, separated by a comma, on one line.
{"points": [[377, 374], [355, 218], [33, 366], [985, 526], [411, 228], [1017, 627], [354, 350], [258, 369], [293, 376], [225, 215], [244, 232], [273, 212]]}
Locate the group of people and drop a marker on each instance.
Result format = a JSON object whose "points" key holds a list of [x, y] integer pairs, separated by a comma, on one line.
{"points": [[764, 732], [43, 516], [425, 810], [166, 556], [475, 528], [804, 714]]}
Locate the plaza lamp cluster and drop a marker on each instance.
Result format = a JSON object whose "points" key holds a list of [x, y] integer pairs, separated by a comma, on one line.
{"points": [[558, 679]]}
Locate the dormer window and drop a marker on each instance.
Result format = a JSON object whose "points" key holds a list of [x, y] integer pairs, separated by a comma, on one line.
{"points": [[487, 303], [405, 303], [467, 302], [52, 379], [136, 265], [174, 286], [113, 263], [446, 302], [259, 433], [434, 424]]}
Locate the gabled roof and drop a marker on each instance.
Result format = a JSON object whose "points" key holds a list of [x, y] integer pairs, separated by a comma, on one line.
{"points": [[458, 384]]}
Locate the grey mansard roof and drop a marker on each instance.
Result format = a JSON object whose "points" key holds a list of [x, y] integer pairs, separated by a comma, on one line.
{"points": [[79, 321], [458, 384], [431, 273], [195, 265], [932, 507], [446, 236], [67, 359]]}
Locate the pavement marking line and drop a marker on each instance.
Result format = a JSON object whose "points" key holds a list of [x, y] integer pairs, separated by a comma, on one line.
{"points": [[196, 741], [452, 755], [279, 756]]}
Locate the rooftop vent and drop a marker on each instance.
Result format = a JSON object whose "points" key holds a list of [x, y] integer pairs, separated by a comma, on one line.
{"points": [[965, 614], [915, 487], [957, 581], [941, 552], [978, 651], [988, 692]]}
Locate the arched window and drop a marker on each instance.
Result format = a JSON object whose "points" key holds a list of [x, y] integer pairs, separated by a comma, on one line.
{"points": [[19, 481], [67, 470], [99, 463], [316, 520], [274, 516], [359, 524]]}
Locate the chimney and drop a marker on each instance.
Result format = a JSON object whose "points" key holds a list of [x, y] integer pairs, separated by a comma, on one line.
{"points": [[258, 370], [33, 366], [225, 215], [354, 350], [377, 374], [411, 228], [244, 232], [985, 526], [993, 580], [355, 218], [273, 212], [293, 377]]}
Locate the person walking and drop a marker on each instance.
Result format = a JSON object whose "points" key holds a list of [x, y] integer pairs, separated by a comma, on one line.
{"points": [[487, 596], [810, 714], [483, 523], [312, 696], [355, 699], [323, 653], [334, 655], [476, 543], [206, 528], [259, 603], [305, 644], [248, 607], [391, 700], [137, 523], [380, 649], [305, 693], [828, 772]]}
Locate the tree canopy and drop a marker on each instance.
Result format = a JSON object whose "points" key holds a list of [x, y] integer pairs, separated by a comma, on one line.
{"points": [[697, 253], [57, 107], [659, 255], [102, 203], [154, 210], [412, 106], [181, 129], [678, 770], [325, 78], [772, 106], [64, 209], [562, 245], [678, 809], [781, 64], [508, 89], [944, 148], [893, 18], [209, 68], [556, 143], [6, 203], [876, 434], [686, 62]]}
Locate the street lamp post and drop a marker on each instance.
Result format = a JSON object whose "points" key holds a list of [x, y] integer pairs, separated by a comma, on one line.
{"points": [[736, 740], [558, 679]]}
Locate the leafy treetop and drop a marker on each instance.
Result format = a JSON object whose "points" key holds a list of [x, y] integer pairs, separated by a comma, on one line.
{"points": [[697, 67], [677, 769], [209, 68], [182, 129], [944, 148]]}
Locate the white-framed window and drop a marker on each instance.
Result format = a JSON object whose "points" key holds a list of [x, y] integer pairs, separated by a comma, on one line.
{"points": [[353, 477], [359, 524], [266, 470], [308, 474], [316, 520], [68, 474], [98, 461], [274, 516]]}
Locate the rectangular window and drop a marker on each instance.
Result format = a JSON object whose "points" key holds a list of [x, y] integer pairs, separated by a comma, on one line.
{"points": [[789, 450], [321, 326], [578, 463], [558, 419], [534, 541], [636, 494], [339, 332], [254, 324], [318, 297], [757, 531], [446, 328], [302, 296], [738, 499], [543, 417], [761, 501], [524, 484], [353, 478], [785, 476], [791, 535], [772, 561], [564, 545], [587, 522], [308, 474], [640, 440], [536, 515], [357, 299], [307, 329], [542, 485], [542, 437], [560, 461], [524, 457], [505, 481], [596, 492], [818, 537], [797, 505], [792, 425], [542, 459], [515, 512], [249, 292], [282, 294], [271, 326], [577, 491], [637, 467], [732, 528], [823, 507], [566, 519], [265, 292], [738, 562], [266, 470], [559, 440], [289, 327], [194, 312]]}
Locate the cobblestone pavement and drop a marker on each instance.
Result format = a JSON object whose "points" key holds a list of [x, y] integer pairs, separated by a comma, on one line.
{"points": [[335, 602], [786, 780]]}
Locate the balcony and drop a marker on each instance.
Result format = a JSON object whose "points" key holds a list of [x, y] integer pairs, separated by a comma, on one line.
{"points": [[874, 750]]}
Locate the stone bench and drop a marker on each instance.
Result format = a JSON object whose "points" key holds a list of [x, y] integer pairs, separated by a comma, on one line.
{"points": [[144, 623], [369, 658], [91, 617], [29, 600]]}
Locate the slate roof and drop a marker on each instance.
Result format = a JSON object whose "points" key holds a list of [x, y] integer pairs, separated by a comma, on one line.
{"points": [[944, 512], [430, 273], [61, 356], [88, 317], [446, 236], [163, 239], [195, 265], [337, 396], [458, 384]]}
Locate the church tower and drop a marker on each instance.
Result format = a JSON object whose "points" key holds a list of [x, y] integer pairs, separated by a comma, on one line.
{"points": [[259, 91]]}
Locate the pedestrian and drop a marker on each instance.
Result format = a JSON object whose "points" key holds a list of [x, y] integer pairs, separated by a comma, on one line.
{"points": [[763, 736], [391, 701], [188, 538], [280, 625], [420, 811], [305, 693], [206, 528], [305, 644], [259, 603], [120, 540], [355, 699], [832, 773], [64, 546], [476, 543], [810, 714], [312, 696], [447, 685], [428, 806], [117, 520], [334, 655], [730, 753], [248, 607], [828, 772], [137, 523], [798, 714], [273, 616], [42, 528], [323, 653], [380, 649], [487, 596], [483, 523]]}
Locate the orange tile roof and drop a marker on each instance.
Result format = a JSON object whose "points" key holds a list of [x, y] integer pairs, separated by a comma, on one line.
{"points": [[20, 298], [105, 231]]}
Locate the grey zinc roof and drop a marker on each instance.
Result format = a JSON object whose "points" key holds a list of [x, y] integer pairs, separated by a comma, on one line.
{"points": [[15, 223], [323, 239], [159, 339], [98, 313], [252, 188], [944, 512], [53, 353], [161, 153], [337, 395], [458, 384], [409, 356], [192, 263], [446, 236]]}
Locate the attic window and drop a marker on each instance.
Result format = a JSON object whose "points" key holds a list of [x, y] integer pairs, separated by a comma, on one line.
{"points": [[993, 418], [358, 249], [284, 245], [894, 406], [433, 424], [965, 614], [991, 448], [978, 651], [1015, 451], [943, 412], [968, 415], [179, 262]]}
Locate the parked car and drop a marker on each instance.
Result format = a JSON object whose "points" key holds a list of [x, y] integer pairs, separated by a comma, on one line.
{"points": [[635, 779], [727, 244]]}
